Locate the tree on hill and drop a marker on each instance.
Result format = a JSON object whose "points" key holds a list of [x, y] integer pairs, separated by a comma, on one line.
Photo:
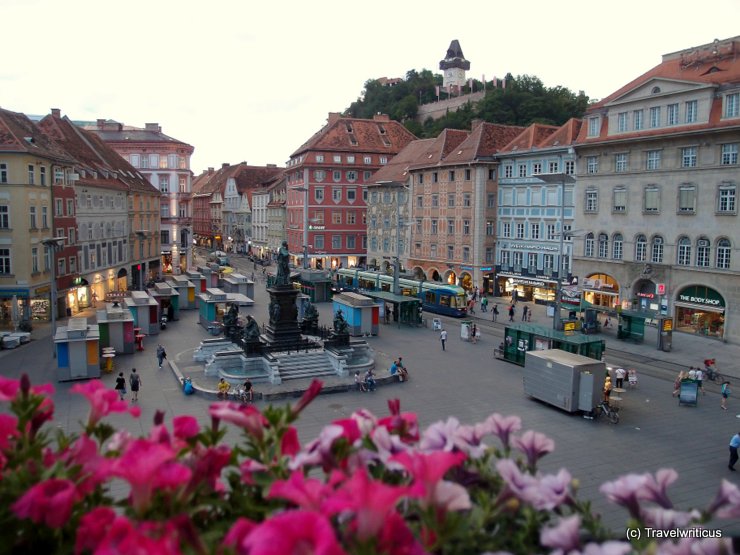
{"points": [[524, 101]]}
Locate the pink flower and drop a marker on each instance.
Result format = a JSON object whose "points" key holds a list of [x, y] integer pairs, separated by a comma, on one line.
{"points": [[248, 468], [565, 536], [238, 534], [500, 426], [119, 535], [543, 493], [49, 502], [185, 427], [668, 519], [534, 445], [93, 528], [308, 494], [655, 488], [292, 533], [386, 445], [103, 401], [309, 395], [8, 429], [366, 421], [350, 429], [395, 538], [626, 491], [289, 444], [319, 451], [208, 464], [405, 425], [727, 500], [370, 501], [450, 496], [246, 417], [93, 466], [8, 388], [608, 548], [427, 469]]}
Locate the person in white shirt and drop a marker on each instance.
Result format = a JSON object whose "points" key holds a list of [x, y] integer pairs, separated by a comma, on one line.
{"points": [[699, 377], [692, 373], [443, 338], [619, 374]]}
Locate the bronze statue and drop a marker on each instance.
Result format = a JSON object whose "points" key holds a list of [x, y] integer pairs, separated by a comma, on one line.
{"points": [[274, 311], [251, 329], [310, 312], [283, 270], [341, 326]]}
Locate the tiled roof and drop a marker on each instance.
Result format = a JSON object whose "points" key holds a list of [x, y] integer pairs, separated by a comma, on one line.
{"points": [[112, 131], [19, 134], [397, 169], [380, 134], [94, 155], [246, 178], [530, 137], [439, 148], [566, 134], [200, 181], [484, 141], [454, 57]]}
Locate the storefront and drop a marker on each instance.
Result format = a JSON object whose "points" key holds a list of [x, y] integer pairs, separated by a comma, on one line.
{"points": [[539, 291], [466, 278], [601, 290], [700, 310], [14, 307], [489, 280]]}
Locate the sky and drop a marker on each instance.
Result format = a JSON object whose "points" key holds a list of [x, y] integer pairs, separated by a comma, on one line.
{"points": [[251, 81]]}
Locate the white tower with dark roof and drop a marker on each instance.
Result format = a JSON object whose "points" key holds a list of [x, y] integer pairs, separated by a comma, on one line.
{"points": [[454, 66]]}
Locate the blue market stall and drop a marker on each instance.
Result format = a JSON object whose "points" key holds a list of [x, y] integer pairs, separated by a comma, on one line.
{"points": [[77, 347]]}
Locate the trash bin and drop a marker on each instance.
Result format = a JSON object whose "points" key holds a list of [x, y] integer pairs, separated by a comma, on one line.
{"points": [[465, 330]]}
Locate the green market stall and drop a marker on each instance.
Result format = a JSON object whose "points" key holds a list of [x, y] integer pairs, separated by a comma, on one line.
{"points": [[520, 338]]}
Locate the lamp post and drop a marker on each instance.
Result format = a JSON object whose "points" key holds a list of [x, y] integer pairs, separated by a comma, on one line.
{"points": [[53, 244]]}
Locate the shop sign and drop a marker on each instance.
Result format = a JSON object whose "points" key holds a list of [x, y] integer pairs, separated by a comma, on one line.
{"points": [[42, 290], [701, 295], [14, 292], [486, 269], [660, 288], [316, 227], [668, 324], [646, 295], [700, 300], [534, 247], [525, 281], [469, 268]]}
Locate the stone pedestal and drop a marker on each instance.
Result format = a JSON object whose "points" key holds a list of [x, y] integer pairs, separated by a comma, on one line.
{"points": [[283, 328]]}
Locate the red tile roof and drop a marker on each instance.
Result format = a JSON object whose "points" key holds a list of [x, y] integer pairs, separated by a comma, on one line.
{"points": [[439, 148], [20, 135], [397, 169], [530, 137], [484, 141]]}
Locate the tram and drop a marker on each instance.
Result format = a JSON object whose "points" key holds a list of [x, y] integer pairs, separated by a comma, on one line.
{"points": [[439, 298]]}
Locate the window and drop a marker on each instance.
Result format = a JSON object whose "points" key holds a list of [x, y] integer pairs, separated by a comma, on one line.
{"points": [[367, 160], [466, 227], [62, 266], [652, 199], [351, 218], [656, 252], [508, 170], [588, 247], [522, 170], [617, 246], [732, 105], [44, 217], [450, 226], [35, 260], [640, 248], [469, 173], [3, 173], [552, 232], [351, 242], [621, 162], [419, 228], [729, 154], [364, 194], [450, 252], [520, 231], [350, 159], [723, 254], [516, 259], [386, 223], [603, 245], [419, 202], [570, 167], [622, 122], [336, 217], [433, 250], [672, 115], [593, 127], [489, 255], [164, 184], [73, 264], [592, 164], [534, 231], [337, 159], [506, 230], [351, 176], [451, 175], [336, 194], [592, 201], [489, 228], [435, 177], [319, 175], [435, 201], [383, 160], [683, 257], [4, 216], [42, 175], [336, 176], [691, 106], [451, 199], [336, 242], [537, 168], [637, 120], [655, 116], [351, 195], [491, 200], [686, 199], [164, 236], [548, 262], [434, 227], [726, 199], [33, 217], [703, 249], [532, 261], [5, 261], [318, 194], [466, 254], [653, 160], [505, 259], [620, 200], [466, 199], [71, 236], [366, 175], [318, 241], [688, 157]]}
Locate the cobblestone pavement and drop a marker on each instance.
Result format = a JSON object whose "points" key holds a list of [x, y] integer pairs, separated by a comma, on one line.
{"points": [[466, 382]]}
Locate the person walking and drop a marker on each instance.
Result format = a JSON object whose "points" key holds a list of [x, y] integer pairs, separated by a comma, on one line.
{"points": [[484, 304], [511, 313], [121, 386], [725, 391], [161, 355], [734, 444], [474, 334], [525, 309], [443, 338], [135, 380], [700, 379], [495, 312], [619, 374]]}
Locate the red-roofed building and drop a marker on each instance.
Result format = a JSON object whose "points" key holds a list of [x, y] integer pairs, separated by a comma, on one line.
{"points": [[658, 178], [326, 188]]}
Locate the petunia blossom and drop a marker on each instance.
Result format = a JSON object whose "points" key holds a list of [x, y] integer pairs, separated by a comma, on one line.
{"points": [[500, 426], [292, 533], [103, 401], [655, 487], [238, 533], [248, 468], [93, 528], [247, 417], [308, 494], [727, 500], [319, 451], [534, 445], [94, 466], [8, 429], [564, 536], [427, 469], [668, 519], [49, 502], [309, 395], [395, 538], [626, 491], [185, 427]]}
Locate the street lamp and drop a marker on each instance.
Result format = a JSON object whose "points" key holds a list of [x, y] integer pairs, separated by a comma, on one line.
{"points": [[54, 244]]}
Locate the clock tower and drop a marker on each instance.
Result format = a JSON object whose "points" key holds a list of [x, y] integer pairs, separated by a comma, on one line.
{"points": [[454, 66]]}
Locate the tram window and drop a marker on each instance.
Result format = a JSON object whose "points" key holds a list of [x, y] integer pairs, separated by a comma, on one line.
{"points": [[459, 301], [385, 286], [444, 300], [429, 297]]}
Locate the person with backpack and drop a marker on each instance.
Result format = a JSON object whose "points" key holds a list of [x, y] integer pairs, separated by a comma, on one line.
{"points": [[725, 391], [121, 386], [161, 355], [135, 380]]}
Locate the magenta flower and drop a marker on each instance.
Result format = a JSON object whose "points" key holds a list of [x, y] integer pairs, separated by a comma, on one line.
{"points": [[49, 502], [238, 533], [534, 445], [309, 395], [386, 445], [8, 388], [94, 467], [427, 469], [93, 528], [627, 491], [439, 436], [655, 487], [208, 464], [8, 429], [564, 536], [308, 494], [248, 468], [395, 538], [103, 401], [289, 444], [185, 427], [727, 499], [246, 417], [405, 425], [292, 533], [543, 493], [500, 426], [350, 429], [120, 535], [366, 421]]}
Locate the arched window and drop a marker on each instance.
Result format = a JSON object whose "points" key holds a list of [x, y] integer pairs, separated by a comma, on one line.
{"points": [[723, 254], [588, 247], [683, 257], [703, 252], [640, 248], [656, 252], [603, 245], [617, 243]]}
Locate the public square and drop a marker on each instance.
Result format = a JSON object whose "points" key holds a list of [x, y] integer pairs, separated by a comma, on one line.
{"points": [[467, 383]]}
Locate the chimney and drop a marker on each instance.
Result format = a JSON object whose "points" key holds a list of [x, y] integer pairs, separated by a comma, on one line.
{"points": [[101, 124], [210, 171], [56, 112], [224, 165], [153, 127], [334, 117], [381, 117]]}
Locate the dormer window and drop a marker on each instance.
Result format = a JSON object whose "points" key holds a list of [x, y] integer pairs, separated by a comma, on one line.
{"points": [[593, 127]]}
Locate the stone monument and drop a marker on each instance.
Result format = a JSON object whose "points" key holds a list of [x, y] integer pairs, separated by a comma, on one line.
{"points": [[282, 331]]}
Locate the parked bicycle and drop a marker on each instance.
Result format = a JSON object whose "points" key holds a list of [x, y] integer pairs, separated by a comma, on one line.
{"points": [[603, 408]]}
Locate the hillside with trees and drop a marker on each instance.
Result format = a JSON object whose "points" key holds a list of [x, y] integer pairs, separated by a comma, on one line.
{"points": [[523, 101]]}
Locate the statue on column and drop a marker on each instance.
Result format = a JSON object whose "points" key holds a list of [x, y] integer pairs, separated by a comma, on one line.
{"points": [[283, 269]]}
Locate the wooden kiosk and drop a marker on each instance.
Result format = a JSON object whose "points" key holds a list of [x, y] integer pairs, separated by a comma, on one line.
{"points": [[77, 346], [361, 313], [116, 327]]}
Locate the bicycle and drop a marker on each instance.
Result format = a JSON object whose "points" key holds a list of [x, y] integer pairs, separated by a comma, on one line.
{"points": [[603, 408], [241, 395], [712, 375]]}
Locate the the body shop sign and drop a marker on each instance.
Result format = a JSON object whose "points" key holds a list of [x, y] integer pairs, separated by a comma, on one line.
{"points": [[697, 294]]}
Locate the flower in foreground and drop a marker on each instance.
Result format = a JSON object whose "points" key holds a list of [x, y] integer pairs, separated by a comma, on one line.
{"points": [[534, 445], [103, 401], [49, 502], [291, 533]]}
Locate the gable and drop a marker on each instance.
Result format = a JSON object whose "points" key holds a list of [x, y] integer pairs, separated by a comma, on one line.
{"points": [[658, 88]]}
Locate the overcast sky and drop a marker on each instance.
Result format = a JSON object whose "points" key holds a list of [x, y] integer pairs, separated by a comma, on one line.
{"points": [[252, 81]]}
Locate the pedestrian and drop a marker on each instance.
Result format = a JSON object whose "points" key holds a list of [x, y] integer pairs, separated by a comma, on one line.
{"points": [[511, 313], [359, 384], [248, 389], [484, 304], [495, 312], [161, 355], [619, 374], [471, 306], [443, 338], [682, 375], [370, 380], [474, 333], [121, 386], [223, 389], [607, 322], [525, 309], [529, 315], [403, 373], [725, 391], [734, 444], [700, 379], [135, 380]]}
